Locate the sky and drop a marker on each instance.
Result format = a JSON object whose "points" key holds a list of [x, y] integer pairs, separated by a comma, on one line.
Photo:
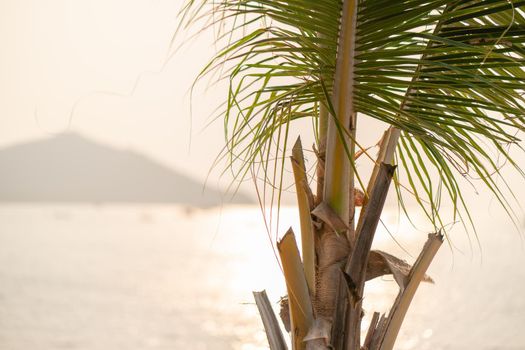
{"points": [[103, 69], [108, 70]]}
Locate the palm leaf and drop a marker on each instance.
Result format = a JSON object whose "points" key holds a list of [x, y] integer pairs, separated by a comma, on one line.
{"points": [[448, 74]]}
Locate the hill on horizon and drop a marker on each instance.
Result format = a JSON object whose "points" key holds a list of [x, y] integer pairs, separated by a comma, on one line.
{"points": [[72, 168]]}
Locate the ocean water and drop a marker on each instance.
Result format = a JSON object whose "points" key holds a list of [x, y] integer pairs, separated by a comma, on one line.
{"points": [[108, 277]]}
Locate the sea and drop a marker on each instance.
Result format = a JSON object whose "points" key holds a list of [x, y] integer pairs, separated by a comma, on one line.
{"points": [[141, 277]]}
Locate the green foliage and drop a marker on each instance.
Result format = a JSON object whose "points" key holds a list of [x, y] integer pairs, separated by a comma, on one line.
{"points": [[449, 74]]}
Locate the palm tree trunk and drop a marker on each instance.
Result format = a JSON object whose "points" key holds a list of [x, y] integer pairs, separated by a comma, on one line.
{"points": [[427, 91]]}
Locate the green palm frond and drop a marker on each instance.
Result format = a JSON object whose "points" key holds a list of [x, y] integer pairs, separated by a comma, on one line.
{"points": [[448, 74]]}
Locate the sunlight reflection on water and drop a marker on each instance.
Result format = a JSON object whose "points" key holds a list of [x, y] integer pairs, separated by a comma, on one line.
{"points": [[166, 277]]}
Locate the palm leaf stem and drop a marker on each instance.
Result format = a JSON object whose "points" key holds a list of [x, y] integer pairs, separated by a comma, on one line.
{"points": [[355, 268], [338, 167]]}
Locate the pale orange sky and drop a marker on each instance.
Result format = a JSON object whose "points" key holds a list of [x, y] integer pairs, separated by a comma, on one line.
{"points": [[86, 57], [104, 69], [57, 55]]}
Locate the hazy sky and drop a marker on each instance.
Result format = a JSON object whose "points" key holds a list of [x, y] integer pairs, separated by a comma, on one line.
{"points": [[101, 63], [101, 68]]}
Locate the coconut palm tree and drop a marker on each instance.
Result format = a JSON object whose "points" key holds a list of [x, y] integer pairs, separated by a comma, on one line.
{"points": [[446, 77]]}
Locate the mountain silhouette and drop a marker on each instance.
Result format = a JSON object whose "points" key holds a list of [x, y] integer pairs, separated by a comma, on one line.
{"points": [[71, 168]]}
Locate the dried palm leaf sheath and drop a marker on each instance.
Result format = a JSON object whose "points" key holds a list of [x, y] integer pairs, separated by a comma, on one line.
{"points": [[271, 326], [305, 204], [301, 311]]}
